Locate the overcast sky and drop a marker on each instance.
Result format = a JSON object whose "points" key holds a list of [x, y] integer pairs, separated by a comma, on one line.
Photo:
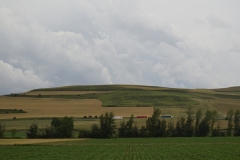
{"points": [[182, 44]]}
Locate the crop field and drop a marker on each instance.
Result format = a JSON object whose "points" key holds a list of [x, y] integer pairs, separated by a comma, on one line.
{"points": [[135, 148], [56, 107]]}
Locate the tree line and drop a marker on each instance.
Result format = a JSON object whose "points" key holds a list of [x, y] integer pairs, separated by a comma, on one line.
{"points": [[197, 124]]}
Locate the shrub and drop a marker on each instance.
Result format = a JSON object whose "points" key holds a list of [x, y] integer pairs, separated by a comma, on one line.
{"points": [[13, 132], [84, 133], [32, 132], [60, 128], [2, 130], [89, 116], [96, 116], [85, 117]]}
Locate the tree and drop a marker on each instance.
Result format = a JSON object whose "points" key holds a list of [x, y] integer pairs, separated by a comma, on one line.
{"points": [[237, 123], [107, 125], [2, 130], [60, 128], [203, 128], [122, 129], [198, 119], [127, 129], [13, 132], [178, 129], [189, 129], [211, 117], [171, 130], [216, 132], [32, 132], [95, 131], [214, 118], [161, 128], [229, 117], [143, 132], [152, 122], [65, 130]]}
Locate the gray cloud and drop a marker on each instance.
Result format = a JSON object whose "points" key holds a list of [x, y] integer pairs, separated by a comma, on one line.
{"points": [[46, 44]]}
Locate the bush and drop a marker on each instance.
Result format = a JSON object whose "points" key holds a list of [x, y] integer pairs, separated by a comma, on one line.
{"points": [[13, 132], [85, 117], [2, 130], [89, 116], [96, 116], [84, 133], [14, 117], [60, 128], [32, 132]]}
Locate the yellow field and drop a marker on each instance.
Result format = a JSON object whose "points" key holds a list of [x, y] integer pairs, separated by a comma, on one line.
{"points": [[34, 141], [227, 104], [63, 92], [51, 107]]}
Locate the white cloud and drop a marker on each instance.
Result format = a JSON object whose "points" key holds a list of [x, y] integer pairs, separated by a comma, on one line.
{"points": [[165, 43], [14, 80]]}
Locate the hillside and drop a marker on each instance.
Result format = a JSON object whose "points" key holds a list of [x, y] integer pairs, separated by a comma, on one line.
{"points": [[170, 100]]}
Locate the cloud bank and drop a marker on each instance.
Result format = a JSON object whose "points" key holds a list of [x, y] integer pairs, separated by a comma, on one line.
{"points": [[173, 44]]}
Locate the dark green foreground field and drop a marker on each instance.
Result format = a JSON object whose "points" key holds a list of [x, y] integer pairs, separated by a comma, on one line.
{"points": [[135, 148]]}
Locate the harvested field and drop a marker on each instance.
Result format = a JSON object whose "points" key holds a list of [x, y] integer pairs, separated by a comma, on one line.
{"points": [[227, 104], [55, 107], [63, 92], [34, 141]]}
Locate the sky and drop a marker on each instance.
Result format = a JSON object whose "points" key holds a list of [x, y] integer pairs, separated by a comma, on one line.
{"points": [[178, 44]]}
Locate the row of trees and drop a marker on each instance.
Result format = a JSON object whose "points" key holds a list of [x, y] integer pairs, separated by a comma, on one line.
{"points": [[59, 128], [197, 124]]}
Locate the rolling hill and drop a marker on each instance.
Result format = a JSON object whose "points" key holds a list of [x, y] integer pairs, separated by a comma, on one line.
{"points": [[123, 99]]}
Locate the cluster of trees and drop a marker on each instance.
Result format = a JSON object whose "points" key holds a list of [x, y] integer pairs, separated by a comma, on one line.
{"points": [[197, 124], [106, 129], [59, 128]]}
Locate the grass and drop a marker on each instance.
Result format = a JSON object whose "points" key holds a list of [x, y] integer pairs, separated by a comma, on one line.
{"points": [[136, 148]]}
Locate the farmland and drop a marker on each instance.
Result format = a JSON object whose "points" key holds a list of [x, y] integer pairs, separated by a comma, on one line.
{"points": [[133, 148], [168, 100], [59, 107], [19, 111], [41, 105]]}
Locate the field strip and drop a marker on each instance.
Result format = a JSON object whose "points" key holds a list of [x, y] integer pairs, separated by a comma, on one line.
{"points": [[64, 92], [34, 141], [55, 107]]}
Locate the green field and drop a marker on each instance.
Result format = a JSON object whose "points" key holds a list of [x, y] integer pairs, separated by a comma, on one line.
{"points": [[136, 148]]}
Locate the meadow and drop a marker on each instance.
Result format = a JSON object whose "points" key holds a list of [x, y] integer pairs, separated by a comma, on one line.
{"points": [[128, 148]]}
